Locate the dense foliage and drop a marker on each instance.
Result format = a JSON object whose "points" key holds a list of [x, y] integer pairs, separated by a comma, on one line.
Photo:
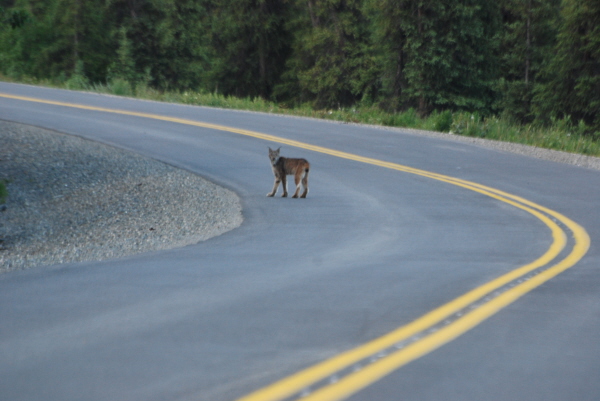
{"points": [[527, 60]]}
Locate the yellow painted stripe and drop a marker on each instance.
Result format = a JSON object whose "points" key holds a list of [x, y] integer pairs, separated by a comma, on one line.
{"points": [[303, 379], [356, 381]]}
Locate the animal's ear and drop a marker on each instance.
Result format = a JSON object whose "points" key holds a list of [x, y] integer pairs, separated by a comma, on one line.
{"points": [[279, 148]]}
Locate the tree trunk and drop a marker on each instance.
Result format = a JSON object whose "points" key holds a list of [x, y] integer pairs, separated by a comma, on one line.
{"points": [[528, 44], [77, 18], [262, 57], [314, 18]]}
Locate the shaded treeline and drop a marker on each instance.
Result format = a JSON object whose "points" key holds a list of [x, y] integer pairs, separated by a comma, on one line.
{"points": [[527, 60]]}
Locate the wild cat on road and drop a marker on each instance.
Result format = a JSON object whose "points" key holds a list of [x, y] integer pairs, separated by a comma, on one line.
{"points": [[284, 166]]}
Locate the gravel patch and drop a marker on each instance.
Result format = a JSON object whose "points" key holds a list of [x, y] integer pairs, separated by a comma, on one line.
{"points": [[72, 199]]}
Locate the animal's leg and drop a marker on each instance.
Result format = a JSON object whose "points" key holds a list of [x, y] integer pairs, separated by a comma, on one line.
{"points": [[297, 178], [284, 184], [305, 184], [275, 186]]}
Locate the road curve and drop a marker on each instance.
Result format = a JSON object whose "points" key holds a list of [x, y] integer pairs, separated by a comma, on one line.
{"points": [[418, 268]]}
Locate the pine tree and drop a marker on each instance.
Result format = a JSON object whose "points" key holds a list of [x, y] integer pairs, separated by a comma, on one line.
{"points": [[331, 59], [59, 37], [438, 55], [388, 20], [572, 88], [123, 66], [528, 36], [167, 40], [249, 44]]}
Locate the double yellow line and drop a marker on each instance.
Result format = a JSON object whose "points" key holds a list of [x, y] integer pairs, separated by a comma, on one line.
{"points": [[353, 370]]}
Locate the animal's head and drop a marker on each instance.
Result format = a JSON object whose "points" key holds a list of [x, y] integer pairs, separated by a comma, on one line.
{"points": [[274, 155]]}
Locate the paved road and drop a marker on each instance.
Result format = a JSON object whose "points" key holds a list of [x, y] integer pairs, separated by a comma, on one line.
{"points": [[374, 248]]}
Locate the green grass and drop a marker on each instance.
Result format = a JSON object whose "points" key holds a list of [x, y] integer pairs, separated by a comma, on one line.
{"points": [[559, 135], [3, 192]]}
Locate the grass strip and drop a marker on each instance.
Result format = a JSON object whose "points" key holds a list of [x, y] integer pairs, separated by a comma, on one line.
{"points": [[560, 134]]}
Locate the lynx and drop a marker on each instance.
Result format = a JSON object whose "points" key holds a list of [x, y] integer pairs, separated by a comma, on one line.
{"points": [[282, 167]]}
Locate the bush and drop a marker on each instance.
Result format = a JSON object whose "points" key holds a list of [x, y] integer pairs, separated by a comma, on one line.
{"points": [[120, 87], [408, 119], [468, 124], [443, 121], [78, 80]]}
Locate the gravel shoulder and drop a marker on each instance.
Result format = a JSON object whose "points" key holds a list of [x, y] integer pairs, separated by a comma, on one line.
{"points": [[72, 199]]}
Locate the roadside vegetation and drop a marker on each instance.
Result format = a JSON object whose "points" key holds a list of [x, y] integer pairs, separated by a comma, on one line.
{"points": [[524, 71], [3, 192], [559, 134]]}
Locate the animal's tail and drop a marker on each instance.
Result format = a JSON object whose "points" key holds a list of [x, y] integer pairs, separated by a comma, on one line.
{"points": [[305, 181]]}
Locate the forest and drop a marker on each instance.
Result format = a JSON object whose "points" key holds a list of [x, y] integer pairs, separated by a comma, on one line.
{"points": [[527, 61]]}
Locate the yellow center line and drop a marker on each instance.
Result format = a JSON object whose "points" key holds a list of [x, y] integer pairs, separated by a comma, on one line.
{"points": [[353, 382]]}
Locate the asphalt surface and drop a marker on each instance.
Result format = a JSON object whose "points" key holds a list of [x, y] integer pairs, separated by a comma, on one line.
{"points": [[371, 249]]}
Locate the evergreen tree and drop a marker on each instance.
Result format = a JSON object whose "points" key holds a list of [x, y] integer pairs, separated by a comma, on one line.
{"points": [[165, 38], [388, 20], [331, 59], [572, 88], [123, 66], [442, 55], [527, 41], [529, 58], [249, 44], [58, 38], [23, 46]]}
